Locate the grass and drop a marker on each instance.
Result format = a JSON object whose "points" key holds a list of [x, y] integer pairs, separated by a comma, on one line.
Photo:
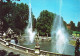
{"points": [[73, 42]]}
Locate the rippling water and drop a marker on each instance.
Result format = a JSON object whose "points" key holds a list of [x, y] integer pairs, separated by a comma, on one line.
{"points": [[48, 46]]}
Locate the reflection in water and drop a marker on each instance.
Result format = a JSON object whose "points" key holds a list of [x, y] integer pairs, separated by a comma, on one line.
{"points": [[50, 46]]}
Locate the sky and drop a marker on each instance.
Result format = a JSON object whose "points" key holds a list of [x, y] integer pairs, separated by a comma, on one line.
{"points": [[70, 9]]}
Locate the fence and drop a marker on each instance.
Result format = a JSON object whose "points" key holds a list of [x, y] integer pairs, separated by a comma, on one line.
{"points": [[28, 50]]}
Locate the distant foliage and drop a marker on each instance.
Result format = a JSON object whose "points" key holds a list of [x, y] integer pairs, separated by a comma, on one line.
{"points": [[78, 26], [73, 27]]}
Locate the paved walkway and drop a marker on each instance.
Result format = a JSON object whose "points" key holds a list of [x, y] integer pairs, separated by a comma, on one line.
{"points": [[3, 47]]}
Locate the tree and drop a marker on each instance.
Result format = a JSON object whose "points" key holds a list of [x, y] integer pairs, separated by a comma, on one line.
{"points": [[21, 16], [64, 23], [33, 22], [44, 22], [5, 7], [14, 15], [72, 25], [78, 26]]}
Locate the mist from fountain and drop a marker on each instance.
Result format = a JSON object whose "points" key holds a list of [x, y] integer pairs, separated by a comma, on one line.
{"points": [[59, 34], [29, 30]]}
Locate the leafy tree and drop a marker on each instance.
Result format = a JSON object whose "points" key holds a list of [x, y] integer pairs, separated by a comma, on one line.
{"points": [[72, 25], [68, 30], [78, 26], [22, 13], [5, 7], [44, 22], [33, 22], [64, 22], [14, 15]]}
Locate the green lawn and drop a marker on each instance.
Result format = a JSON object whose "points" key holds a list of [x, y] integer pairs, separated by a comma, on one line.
{"points": [[76, 34], [72, 42]]}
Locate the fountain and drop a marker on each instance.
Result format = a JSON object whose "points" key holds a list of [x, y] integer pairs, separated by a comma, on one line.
{"points": [[59, 37], [29, 30], [59, 33]]}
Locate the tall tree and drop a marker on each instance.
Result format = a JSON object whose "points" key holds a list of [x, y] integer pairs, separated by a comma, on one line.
{"points": [[72, 25], [78, 26], [21, 14], [14, 15], [44, 22], [5, 7], [33, 22]]}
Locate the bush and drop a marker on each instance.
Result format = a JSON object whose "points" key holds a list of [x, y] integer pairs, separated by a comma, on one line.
{"points": [[3, 52], [12, 54]]}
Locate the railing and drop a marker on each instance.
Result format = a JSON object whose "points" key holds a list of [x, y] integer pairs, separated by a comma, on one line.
{"points": [[28, 50]]}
